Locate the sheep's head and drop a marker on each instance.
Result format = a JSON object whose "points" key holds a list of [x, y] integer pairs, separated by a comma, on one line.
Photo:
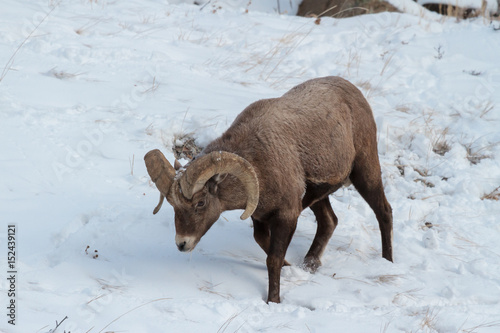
{"points": [[193, 191]]}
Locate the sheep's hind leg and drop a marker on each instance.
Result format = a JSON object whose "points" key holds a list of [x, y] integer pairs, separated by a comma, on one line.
{"points": [[262, 236], [366, 177], [327, 221]]}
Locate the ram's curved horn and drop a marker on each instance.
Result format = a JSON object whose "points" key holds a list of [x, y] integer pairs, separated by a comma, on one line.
{"points": [[158, 207], [205, 167], [161, 172]]}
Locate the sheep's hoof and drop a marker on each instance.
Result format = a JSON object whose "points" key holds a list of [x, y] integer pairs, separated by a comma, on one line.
{"points": [[273, 300], [311, 264]]}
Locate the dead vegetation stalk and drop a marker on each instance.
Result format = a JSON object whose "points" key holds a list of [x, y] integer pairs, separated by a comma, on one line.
{"points": [[137, 307], [9, 63], [493, 195]]}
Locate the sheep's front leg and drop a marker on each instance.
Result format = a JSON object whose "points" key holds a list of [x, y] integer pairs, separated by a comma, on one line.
{"points": [[262, 236], [281, 235]]}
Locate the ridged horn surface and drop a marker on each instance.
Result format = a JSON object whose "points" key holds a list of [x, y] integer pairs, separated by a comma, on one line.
{"points": [[202, 169], [161, 172]]}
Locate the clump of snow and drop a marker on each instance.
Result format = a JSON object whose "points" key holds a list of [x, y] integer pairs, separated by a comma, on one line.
{"points": [[88, 87]]}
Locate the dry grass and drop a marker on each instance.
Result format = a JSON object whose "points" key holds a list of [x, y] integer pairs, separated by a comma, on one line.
{"points": [[364, 85], [353, 61], [62, 75], [440, 144], [107, 286], [476, 155], [369, 89], [411, 294], [441, 147], [485, 108], [344, 8], [426, 183], [460, 13], [387, 279], [152, 86], [269, 62], [335, 277], [184, 146], [10, 62], [481, 109], [84, 28], [385, 327], [493, 195], [387, 61], [405, 108], [439, 52], [474, 329], [430, 319], [209, 287], [465, 243], [137, 307], [150, 129], [228, 322], [475, 152]]}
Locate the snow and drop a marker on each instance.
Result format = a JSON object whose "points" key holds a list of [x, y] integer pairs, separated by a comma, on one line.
{"points": [[88, 87]]}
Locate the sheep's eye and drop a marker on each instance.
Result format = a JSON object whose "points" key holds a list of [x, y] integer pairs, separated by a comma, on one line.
{"points": [[200, 204]]}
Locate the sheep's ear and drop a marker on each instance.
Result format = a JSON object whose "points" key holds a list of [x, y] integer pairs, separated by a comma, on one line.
{"points": [[177, 165], [214, 182]]}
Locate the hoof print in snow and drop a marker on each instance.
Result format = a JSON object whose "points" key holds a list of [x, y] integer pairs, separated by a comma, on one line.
{"points": [[94, 254]]}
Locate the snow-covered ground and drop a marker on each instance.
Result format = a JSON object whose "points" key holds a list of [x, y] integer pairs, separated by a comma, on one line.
{"points": [[88, 87]]}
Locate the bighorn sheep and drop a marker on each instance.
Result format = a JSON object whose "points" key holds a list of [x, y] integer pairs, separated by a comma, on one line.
{"points": [[279, 157]]}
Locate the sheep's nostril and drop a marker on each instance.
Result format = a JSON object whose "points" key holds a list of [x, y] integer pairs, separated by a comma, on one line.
{"points": [[185, 243], [182, 246]]}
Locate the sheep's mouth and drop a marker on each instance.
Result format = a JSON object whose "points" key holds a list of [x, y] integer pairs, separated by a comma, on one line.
{"points": [[186, 243]]}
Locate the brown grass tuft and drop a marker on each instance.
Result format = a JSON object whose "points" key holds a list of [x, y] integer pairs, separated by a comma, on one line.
{"points": [[440, 145], [485, 108], [184, 146], [493, 195], [429, 321], [475, 155]]}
